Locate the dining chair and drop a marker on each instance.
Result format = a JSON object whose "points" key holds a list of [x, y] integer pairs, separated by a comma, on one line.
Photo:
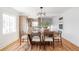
{"points": [[35, 38], [24, 37], [48, 37], [30, 40], [57, 37]]}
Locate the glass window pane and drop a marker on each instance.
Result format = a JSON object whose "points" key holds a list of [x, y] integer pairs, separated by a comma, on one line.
{"points": [[9, 24]]}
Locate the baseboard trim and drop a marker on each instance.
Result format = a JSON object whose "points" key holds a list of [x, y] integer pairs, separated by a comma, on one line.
{"points": [[71, 45], [8, 45]]}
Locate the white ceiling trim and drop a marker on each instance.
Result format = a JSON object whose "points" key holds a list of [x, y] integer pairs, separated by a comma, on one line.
{"points": [[33, 11]]}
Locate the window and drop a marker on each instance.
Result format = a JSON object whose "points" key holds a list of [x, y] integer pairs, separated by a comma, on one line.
{"points": [[9, 24], [35, 23]]}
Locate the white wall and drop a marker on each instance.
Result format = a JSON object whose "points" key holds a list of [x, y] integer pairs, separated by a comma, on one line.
{"points": [[55, 23], [71, 25], [8, 38]]}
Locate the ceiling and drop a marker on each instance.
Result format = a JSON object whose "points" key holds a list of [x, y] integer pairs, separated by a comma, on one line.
{"points": [[33, 11]]}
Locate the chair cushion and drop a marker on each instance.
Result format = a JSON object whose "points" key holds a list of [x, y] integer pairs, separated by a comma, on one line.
{"points": [[48, 39], [35, 38], [24, 37], [57, 37]]}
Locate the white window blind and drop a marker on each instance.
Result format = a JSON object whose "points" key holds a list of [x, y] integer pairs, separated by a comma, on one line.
{"points": [[9, 24]]}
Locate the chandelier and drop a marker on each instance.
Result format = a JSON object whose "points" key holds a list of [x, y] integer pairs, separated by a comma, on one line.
{"points": [[42, 12]]}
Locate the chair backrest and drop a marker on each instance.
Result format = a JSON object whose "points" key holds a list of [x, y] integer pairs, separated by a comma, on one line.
{"points": [[36, 34], [30, 38], [48, 34], [32, 35], [57, 34], [60, 33]]}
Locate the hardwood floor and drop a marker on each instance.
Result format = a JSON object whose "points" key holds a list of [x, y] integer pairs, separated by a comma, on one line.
{"points": [[67, 46]]}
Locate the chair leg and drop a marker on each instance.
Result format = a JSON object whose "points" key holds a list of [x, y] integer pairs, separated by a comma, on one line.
{"points": [[61, 42], [31, 47], [39, 45], [40, 42], [44, 45], [53, 44], [43, 42]]}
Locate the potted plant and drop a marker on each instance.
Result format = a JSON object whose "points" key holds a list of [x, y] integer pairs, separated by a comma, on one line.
{"points": [[44, 25]]}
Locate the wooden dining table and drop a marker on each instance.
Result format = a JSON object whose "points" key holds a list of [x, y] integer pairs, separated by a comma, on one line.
{"points": [[41, 35]]}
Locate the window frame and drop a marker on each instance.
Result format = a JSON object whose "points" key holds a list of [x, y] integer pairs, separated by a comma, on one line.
{"points": [[9, 23]]}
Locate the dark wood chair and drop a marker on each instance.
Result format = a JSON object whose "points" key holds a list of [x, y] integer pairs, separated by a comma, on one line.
{"points": [[48, 37], [35, 38], [30, 39], [57, 37]]}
